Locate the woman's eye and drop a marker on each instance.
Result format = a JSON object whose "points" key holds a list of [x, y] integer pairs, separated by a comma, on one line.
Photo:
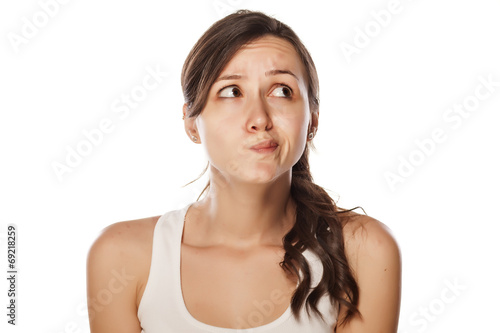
{"points": [[282, 91], [230, 92]]}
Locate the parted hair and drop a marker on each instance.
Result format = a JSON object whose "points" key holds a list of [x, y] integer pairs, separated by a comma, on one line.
{"points": [[319, 222]]}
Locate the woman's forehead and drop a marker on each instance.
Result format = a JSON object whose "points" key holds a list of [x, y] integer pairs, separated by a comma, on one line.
{"points": [[264, 54]]}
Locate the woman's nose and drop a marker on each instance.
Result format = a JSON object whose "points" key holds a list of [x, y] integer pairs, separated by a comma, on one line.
{"points": [[259, 118]]}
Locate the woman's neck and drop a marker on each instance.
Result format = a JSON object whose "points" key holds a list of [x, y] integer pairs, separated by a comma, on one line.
{"points": [[240, 214]]}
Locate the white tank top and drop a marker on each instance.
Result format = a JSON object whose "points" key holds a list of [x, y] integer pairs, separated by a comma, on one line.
{"points": [[162, 308]]}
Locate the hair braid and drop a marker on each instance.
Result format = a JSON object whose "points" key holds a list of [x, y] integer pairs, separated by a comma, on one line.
{"points": [[319, 228]]}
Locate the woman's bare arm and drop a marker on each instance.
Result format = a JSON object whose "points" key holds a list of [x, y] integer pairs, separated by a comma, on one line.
{"points": [[112, 280], [376, 262]]}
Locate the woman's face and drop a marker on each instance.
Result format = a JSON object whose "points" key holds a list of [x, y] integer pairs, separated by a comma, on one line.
{"points": [[260, 97]]}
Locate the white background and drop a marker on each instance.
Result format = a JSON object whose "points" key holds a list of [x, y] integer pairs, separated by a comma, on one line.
{"points": [[375, 104]]}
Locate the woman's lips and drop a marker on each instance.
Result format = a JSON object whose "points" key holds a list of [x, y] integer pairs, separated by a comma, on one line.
{"points": [[267, 146], [265, 150]]}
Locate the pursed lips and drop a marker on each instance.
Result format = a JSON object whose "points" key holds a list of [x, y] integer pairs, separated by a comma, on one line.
{"points": [[267, 144]]}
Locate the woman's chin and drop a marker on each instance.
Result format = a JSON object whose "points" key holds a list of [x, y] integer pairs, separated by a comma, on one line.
{"points": [[252, 172], [259, 175]]}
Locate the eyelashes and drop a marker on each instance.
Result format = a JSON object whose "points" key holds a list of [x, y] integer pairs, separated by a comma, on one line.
{"points": [[229, 91], [281, 90]]}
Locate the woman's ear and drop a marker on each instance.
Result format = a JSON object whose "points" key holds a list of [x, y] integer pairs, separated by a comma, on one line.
{"points": [[190, 125], [313, 124]]}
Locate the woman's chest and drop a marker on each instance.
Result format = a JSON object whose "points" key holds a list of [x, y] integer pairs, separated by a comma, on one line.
{"points": [[235, 289]]}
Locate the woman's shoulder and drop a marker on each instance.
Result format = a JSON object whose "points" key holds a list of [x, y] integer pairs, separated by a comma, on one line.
{"points": [[124, 246], [126, 237], [366, 237], [374, 257]]}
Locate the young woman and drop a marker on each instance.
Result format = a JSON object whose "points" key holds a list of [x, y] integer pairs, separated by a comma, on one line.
{"points": [[266, 249]]}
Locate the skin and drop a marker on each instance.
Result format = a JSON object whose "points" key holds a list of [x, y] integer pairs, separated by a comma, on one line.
{"points": [[236, 230]]}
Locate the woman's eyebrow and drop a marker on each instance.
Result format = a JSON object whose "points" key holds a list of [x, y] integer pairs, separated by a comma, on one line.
{"points": [[229, 77], [281, 71], [268, 73]]}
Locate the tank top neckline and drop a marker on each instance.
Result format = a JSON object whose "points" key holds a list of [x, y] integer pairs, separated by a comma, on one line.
{"points": [[182, 305]]}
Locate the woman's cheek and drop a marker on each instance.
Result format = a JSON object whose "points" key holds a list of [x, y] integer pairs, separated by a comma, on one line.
{"points": [[294, 123], [218, 140]]}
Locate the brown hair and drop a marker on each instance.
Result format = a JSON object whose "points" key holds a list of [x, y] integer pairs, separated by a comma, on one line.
{"points": [[318, 225]]}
